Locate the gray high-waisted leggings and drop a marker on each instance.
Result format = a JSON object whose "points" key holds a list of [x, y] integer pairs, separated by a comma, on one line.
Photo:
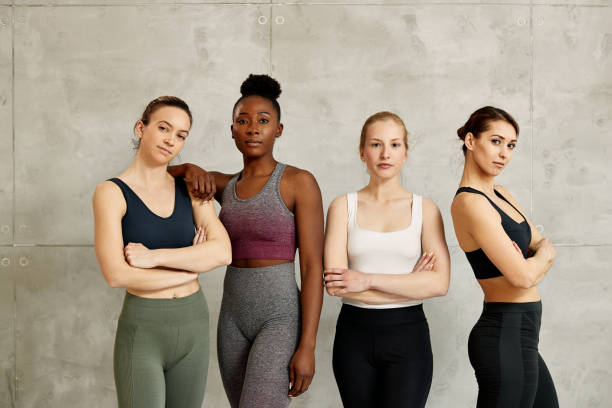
{"points": [[259, 327]]}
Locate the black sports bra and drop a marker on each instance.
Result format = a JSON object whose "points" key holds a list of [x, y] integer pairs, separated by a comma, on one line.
{"points": [[519, 232], [140, 225]]}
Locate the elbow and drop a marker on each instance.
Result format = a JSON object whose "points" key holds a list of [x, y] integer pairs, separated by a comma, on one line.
{"points": [[226, 254], [113, 281], [522, 282], [226, 259], [442, 290]]}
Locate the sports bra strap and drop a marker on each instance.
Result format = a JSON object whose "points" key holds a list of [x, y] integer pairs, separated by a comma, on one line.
{"points": [[351, 206], [504, 198], [497, 193]]}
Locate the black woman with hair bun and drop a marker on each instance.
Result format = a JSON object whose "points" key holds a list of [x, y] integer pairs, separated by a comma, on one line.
{"points": [[267, 329], [509, 257]]}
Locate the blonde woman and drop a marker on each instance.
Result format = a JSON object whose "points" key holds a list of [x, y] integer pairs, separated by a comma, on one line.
{"points": [[385, 251]]}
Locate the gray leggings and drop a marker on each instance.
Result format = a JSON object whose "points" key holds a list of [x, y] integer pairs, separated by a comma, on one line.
{"points": [[259, 327]]}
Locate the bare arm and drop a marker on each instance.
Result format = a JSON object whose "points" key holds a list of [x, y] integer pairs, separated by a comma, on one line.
{"points": [[109, 207], [474, 214], [308, 212], [202, 184], [336, 258]]}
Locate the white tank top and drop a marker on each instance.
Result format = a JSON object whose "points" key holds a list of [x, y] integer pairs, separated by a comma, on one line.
{"points": [[393, 252]]}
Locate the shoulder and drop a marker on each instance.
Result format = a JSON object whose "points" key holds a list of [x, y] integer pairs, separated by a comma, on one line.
{"points": [[338, 203], [107, 189], [299, 179], [108, 195], [471, 206], [429, 208]]}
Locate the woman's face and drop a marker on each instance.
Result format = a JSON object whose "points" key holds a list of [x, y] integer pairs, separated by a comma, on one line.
{"points": [[384, 151], [163, 138], [494, 148], [255, 126]]}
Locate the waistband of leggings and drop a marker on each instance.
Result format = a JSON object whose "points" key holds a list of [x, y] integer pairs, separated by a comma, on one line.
{"points": [[509, 307], [284, 267], [382, 317], [175, 311]]}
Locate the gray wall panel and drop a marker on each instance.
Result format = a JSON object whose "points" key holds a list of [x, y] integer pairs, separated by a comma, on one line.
{"points": [[7, 327], [6, 126], [98, 67], [576, 330], [97, 3], [573, 123], [341, 64], [66, 320]]}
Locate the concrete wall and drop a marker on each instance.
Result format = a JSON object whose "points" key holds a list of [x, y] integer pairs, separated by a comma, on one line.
{"points": [[75, 75]]}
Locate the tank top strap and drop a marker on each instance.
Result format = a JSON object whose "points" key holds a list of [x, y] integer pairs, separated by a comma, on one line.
{"points": [[128, 194], [276, 175], [473, 190], [351, 206], [417, 211]]}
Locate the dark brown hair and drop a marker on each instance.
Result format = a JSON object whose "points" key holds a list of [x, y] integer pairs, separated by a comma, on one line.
{"points": [[480, 121], [157, 103], [382, 116]]}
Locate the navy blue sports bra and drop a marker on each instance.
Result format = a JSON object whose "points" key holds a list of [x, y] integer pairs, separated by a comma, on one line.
{"points": [[141, 225], [519, 232]]}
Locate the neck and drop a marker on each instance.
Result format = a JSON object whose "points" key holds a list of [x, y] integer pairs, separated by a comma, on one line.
{"points": [[258, 166], [146, 173], [383, 189], [474, 177]]}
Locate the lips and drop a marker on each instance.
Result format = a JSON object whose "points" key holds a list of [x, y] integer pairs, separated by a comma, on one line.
{"points": [[252, 143], [498, 164], [165, 151], [385, 165]]}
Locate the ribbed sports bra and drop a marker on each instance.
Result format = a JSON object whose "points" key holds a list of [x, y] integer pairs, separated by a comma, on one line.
{"points": [[519, 232], [260, 227], [141, 225], [395, 252]]}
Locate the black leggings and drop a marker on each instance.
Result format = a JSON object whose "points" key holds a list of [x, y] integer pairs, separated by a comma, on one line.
{"points": [[503, 349], [382, 357]]}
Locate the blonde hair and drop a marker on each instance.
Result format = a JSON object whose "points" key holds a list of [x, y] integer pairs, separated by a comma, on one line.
{"points": [[379, 117]]}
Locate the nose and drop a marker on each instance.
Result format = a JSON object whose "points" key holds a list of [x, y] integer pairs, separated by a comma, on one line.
{"points": [[169, 139], [385, 152], [253, 128]]}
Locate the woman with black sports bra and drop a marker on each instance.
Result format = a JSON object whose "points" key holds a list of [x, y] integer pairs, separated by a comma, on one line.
{"points": [[509, 258], [144, 239]]}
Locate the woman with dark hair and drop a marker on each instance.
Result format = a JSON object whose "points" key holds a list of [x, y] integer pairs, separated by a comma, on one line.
{"points": [[144, 239], [384, 252], [509, 257], [267, 330]]}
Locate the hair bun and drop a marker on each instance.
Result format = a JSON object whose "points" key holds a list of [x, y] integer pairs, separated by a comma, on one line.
{"points": [[461, 132], [261, 85]]}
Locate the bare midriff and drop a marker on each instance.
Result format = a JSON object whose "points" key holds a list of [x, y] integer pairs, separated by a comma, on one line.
{"points": [[258, 263], [180, 291], [500, 290]]}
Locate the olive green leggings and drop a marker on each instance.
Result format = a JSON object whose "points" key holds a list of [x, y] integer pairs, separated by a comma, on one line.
{"points": [[161, 352]]}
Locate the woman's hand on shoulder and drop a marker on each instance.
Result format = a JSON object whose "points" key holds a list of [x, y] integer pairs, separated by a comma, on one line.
{"points": [[200, 182]]}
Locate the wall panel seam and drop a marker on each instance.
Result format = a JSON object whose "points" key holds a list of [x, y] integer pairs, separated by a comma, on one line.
{"points": [[531, 58], [573, 5], [13, 277]]}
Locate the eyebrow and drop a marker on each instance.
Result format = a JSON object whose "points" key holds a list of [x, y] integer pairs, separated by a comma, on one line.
{"points": [[503, 138], [380, 140], [170, 125], [246, 113]]}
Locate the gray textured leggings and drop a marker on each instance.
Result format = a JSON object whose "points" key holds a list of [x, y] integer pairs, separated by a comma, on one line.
{"points": [[258, 333]]}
